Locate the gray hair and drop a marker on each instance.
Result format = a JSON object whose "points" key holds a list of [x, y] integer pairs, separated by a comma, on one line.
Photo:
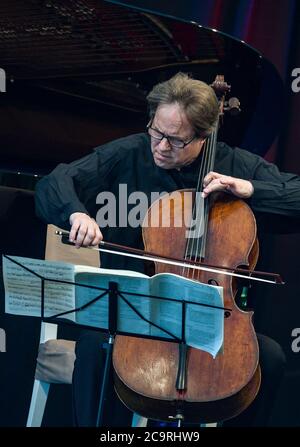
{"points": [[197, 99]]}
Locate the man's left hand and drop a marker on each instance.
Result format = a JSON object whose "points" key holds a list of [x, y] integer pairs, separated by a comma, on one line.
{"points": [[214, 181]]}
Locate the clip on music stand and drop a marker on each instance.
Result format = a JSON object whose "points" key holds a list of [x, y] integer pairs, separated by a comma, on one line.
{"points": [[113, 294]]}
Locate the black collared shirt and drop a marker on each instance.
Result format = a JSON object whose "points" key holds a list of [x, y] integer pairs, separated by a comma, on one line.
{"points": [[128, 161]]}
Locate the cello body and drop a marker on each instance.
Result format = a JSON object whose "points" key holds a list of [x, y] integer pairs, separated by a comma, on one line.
{"points": [[146, 370]]}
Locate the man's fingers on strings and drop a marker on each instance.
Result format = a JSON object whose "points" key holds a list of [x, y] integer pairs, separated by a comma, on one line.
{"points": [[227, 181], [214, 185], [227, 184], [210, 177]]}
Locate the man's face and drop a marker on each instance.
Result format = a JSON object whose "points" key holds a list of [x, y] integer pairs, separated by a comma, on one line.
{"points": [[171, 121]]}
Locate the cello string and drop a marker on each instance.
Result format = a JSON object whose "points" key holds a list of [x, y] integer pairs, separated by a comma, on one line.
{"points": [[207, 200], [193, 242], [189, 246], [201, 239]]}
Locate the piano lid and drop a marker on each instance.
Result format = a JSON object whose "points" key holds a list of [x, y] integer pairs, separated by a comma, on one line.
{"points": [[78, 73]]}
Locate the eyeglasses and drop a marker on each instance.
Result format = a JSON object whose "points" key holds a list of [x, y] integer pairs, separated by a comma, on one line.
{"points": [[173, 141]]}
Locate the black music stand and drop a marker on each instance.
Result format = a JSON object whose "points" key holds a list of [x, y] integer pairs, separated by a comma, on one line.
{"points": [[114, 294]]}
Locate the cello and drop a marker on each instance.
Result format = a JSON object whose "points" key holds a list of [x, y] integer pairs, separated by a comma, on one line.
{"points": [[163, 380]]}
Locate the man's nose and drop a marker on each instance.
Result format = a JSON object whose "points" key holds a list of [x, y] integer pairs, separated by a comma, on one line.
{"points": [[164, 144]]}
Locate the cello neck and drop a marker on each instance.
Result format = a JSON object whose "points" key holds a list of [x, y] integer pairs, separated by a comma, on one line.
{"points": [[196, 240]]}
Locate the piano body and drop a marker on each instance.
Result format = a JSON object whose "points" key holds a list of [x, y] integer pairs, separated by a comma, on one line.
{"points": [[77, 74]]}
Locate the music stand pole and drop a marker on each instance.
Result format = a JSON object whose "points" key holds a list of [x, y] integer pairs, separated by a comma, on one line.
{"points": [[112, 328]]}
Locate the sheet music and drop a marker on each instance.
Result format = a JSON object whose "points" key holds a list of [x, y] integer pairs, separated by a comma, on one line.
{"points": [[204, 327], [97, 314], [23, 289]]}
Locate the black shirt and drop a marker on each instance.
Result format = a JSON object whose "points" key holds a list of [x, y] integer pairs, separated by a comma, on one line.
{"points": [[128, 161]]}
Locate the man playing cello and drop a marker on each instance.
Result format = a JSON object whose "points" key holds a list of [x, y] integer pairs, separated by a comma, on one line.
{"points": [[167, 157]]}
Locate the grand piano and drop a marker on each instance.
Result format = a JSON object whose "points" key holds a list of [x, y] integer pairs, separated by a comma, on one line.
{"points": [[77, 75], [78, 72]]}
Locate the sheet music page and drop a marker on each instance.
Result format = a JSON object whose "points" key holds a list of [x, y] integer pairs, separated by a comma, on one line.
{"points": [[97, 313], [23, 289], [204, 326]]}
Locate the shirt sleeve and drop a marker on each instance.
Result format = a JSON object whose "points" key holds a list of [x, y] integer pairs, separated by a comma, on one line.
{"points": [[73, 187], [274, 191]]}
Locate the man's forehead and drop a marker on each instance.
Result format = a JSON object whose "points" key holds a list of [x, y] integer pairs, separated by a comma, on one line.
{"points": [[172, 123]]}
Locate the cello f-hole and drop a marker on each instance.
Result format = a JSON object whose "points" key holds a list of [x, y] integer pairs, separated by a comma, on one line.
{"points": [[212, 282]]}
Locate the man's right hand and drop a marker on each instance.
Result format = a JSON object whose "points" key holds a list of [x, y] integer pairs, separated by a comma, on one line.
{"points": [[84, 230]]}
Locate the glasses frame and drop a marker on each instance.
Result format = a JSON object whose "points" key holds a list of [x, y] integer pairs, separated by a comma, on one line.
{"points": [[167, 138]]}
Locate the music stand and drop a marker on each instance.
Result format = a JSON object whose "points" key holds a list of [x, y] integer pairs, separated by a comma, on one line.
{"points": [[114, 294]]}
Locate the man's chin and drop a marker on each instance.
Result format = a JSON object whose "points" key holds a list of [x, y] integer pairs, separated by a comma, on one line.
{"points": [[164, 164]]}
